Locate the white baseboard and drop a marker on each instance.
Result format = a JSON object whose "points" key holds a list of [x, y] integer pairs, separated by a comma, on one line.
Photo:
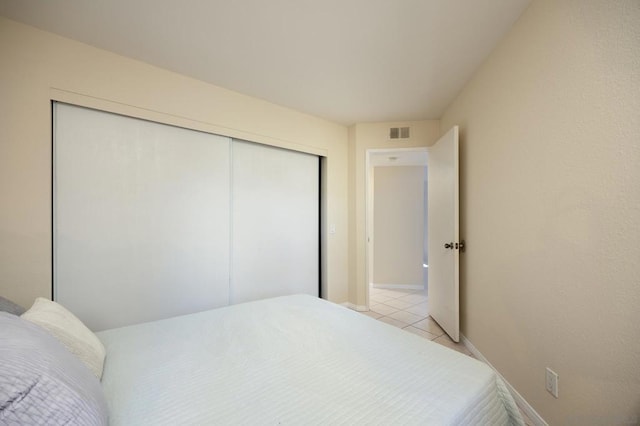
{"points": [[398, 286], [520, 401], [359, 308]]}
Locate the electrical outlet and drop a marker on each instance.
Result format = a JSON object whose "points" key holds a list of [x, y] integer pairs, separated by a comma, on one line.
{"points": [[551, 382]]}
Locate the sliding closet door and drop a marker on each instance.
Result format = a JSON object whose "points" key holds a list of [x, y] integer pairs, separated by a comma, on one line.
{"points": [[141, 218], [275, 227]]}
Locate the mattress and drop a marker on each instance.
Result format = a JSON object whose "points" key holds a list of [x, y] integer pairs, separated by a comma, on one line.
{"points": [[293, 360]]}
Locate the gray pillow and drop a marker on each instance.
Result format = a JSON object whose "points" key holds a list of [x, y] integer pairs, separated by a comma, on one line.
{"points": [[43, 383], [7, 305]]}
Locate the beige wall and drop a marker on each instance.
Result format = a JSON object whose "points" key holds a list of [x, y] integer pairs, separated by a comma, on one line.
{"points": [[550, 200], [364, 136], [398, 225], [550, 208], [36, 67]]}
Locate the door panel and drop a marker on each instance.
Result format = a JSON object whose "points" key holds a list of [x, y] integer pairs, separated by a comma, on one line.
{"points": [[141, 218], [275, 222], [443, 228]]}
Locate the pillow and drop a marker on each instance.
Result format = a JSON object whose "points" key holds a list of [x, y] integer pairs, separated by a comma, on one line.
{"points": [[7, 305], [70, 331], [41, 382]]}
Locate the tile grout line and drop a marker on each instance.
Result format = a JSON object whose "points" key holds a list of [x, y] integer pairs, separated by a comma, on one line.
{"points": [[391, 295]]}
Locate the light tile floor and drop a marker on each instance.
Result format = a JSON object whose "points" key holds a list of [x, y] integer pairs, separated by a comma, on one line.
{"points": [[407, 309]]}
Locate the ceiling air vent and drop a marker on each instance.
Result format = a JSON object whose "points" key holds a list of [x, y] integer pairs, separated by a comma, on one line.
{"points": [[399, 133]]}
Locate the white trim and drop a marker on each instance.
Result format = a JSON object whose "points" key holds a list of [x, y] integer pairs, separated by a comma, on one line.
{"points": [[520, 401], [399, 286], [171, 119], [359, 308], [368, 219]]}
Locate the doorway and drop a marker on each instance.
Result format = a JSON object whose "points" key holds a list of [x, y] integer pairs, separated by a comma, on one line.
{"points": [[396, 201]]}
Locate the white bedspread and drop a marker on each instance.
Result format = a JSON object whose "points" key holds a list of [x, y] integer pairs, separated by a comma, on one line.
{"points": [[293, 360]]}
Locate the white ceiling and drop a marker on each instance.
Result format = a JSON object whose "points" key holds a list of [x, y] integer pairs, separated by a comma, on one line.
{"points": [[344, 60], [398, 157]]}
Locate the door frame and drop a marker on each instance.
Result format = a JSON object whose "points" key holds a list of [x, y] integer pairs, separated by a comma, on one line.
{"points": [[369, 195]]}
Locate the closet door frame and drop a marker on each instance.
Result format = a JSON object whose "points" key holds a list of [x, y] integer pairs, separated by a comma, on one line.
{"points": [[170, 121]]}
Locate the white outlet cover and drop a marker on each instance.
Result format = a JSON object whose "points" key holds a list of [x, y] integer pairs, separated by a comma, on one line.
{"points": [[551, 382]]}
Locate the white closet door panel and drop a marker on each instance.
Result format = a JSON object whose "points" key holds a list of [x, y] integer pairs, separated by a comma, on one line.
{"points": [[141, 218], [275, 222]]}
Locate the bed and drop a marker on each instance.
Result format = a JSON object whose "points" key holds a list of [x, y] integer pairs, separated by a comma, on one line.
{"points": [[292, 360]]}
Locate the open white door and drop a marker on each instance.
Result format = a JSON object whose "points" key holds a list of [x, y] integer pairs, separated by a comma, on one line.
{"points": [[443, 231]]}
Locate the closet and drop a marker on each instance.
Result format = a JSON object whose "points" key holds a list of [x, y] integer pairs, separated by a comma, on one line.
{"points": [[152, 221]]}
